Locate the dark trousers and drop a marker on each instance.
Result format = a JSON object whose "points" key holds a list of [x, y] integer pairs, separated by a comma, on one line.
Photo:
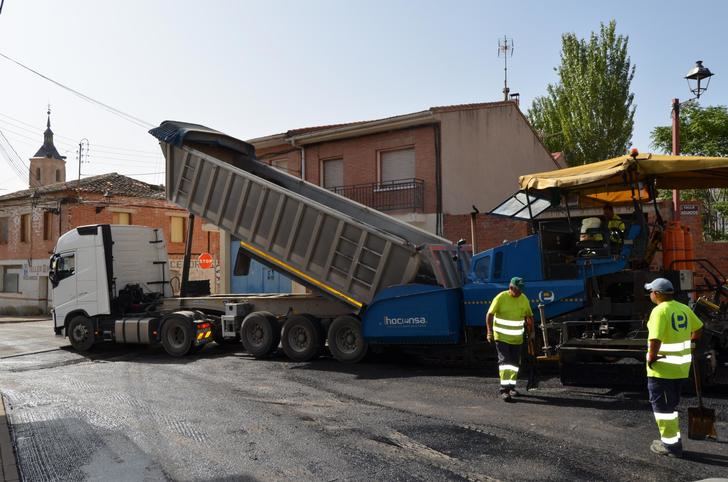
{"points": [[509, 360], [665, 397]]}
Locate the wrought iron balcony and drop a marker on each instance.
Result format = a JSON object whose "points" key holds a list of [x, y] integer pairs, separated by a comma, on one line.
{"points": [[387, 196]]}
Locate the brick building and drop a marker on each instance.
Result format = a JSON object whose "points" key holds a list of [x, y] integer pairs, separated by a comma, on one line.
{"points": [[32, 220], [428, 168]]}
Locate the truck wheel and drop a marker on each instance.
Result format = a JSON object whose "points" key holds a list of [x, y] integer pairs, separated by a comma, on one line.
{"points": [[81, 333], [346, 342], [260, 334], [177, 336], [302, 338]]}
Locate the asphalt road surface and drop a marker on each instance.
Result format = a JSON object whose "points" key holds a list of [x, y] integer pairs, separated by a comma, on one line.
{"points": [[134, 413]]}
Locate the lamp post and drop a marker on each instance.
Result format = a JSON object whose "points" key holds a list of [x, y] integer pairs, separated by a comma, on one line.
{"points": [[694, 78]]}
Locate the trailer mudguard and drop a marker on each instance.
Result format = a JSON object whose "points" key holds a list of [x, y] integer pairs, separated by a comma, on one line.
{"points": [[414, 314]]}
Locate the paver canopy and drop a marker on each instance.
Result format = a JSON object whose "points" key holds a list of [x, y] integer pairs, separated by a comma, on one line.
{"points": [[611, 180]]}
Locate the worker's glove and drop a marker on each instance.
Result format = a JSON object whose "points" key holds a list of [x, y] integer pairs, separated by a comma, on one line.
{"points": [[489, 337]]}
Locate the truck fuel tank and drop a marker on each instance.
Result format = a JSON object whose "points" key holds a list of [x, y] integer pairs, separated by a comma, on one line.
{"points": [[134, 330]]}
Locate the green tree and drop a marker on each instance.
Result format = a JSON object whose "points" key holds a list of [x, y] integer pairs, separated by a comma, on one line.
{"points": [[703, 132], [589, 113]]}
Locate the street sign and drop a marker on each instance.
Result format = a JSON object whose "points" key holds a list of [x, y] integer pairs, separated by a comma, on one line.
{"points": [[689, 209], [205, 261]]}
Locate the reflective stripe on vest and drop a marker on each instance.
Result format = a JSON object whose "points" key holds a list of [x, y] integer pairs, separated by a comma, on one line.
{"points": [[673, 361], [508, 331]]}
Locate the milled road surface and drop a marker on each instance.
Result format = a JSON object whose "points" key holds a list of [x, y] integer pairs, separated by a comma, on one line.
{"points": [[132, 413]]}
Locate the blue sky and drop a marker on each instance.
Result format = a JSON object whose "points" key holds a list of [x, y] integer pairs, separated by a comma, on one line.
{"points": [[253, 68]]}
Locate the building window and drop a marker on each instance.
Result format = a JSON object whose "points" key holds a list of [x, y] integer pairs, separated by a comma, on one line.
{"points": [[47, 226], [396, 165], [280, 164], [3, 230], [120, 218], [24, 228], [10, 279], [37, 173], [177, 229], [58, 175], [332, 173]]}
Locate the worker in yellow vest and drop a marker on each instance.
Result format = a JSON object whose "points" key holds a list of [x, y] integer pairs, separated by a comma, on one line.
{"points": [[505, 325], [671, 329], [615, 225]]}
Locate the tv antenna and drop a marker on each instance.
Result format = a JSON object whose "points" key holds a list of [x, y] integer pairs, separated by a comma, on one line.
{"points": [[505, 47]]}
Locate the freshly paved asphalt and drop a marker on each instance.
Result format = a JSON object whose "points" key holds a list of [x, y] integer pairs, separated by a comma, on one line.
{"points": [[133, 413]]}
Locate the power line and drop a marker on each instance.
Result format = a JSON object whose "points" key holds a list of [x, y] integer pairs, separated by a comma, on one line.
{"points": [[135, 120], [15, 161], [35, 129]]}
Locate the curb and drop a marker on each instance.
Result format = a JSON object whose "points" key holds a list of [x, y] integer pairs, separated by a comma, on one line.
{"points": [[26, 353], [33, 320], [7, 453]]}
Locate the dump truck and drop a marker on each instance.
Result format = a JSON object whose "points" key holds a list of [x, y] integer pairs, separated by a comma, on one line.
{"points": [[591, 289], [357, 263]]}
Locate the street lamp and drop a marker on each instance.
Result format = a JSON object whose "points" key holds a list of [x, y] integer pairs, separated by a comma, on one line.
{"points": [[696, 75]]}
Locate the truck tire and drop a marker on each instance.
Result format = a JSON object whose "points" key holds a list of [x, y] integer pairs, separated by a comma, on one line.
{"points": [[81, 333], [260, 334], [302, 338], [177, 336], [346, 342]]}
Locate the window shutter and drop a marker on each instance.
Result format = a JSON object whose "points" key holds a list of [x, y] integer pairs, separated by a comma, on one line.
{"points": [[333, 173], [397, 165]]}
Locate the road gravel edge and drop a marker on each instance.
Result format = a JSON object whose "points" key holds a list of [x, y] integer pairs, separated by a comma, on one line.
{"points": [[7, 453]]}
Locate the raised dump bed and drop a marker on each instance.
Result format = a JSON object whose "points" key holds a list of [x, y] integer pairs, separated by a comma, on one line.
{"points": [[315, 236]]}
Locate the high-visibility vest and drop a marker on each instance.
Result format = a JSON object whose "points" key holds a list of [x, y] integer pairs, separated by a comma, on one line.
{"points": [[509, 314], [508, 331], [672, 323], [615, 223]]}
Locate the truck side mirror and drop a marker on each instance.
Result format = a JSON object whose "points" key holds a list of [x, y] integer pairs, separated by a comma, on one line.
{"points": [[52, 270]]}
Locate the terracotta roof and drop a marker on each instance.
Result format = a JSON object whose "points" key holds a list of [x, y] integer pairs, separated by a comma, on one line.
{"points": [[305, 130], [113, 183], [482, 105], [446, 108]]}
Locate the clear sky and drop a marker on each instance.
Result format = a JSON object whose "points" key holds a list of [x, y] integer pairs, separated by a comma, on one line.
{"points": [[254, 68]]}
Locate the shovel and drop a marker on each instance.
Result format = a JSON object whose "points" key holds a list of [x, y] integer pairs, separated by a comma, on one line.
{"points": [[532, 376], [701, 420]]}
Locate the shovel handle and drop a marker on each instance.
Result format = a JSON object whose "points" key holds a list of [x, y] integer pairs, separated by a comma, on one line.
{"points": [[696, 375]]}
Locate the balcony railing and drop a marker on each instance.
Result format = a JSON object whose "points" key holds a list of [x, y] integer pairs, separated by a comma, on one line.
{"points": [[387, 196]]}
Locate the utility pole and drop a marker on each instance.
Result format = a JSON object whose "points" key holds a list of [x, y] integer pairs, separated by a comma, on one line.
{"points": [[505, 48], [81, 144]]}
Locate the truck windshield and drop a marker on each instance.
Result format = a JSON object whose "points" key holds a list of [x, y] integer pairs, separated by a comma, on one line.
{"points": [[516, 206]]}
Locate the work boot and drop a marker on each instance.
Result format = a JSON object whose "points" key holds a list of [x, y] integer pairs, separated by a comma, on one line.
{"points": [[513, 392], [661, 449], [506, 396]]}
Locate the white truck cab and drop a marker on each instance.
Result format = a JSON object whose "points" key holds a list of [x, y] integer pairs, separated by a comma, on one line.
{"points": [[108, 283]]}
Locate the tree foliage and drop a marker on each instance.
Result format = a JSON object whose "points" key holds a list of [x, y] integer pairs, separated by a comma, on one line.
{"points": [[703, 132], [589, 114]]}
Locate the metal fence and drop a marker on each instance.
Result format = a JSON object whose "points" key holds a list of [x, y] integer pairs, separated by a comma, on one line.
{"points": [[387, 196]]}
